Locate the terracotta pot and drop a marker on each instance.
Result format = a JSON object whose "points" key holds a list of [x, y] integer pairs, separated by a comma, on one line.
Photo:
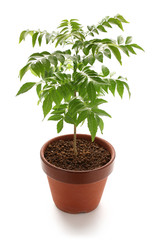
{"points": [[77, 191]]}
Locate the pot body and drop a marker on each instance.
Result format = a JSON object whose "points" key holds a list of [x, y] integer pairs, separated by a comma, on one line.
{"points": [[76, 198], [77, 191]]}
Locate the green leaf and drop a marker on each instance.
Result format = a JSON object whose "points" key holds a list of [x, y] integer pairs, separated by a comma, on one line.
{"points": [[116, 53], [47, 104], [23, 71], [31, 33], [82, 88], [57, 96], [130, 49], [65, 29], [77, 44], [58, 111], [55, 117], [86, 51], [91, 91], [105, 70], [34, 38], [97, 102], [37, 55], [78, 35], [40, 39], [64, 23], [95, 31], [136, 46], [74, 24], [74, 102], [124, 49], [105, 88], [61, 106], [91, 59], [31, 59], [45, 53], [53, 60], [105, 23], [100, 112], [106, 41], [76, 109], [60, 126], [128, 40], [69, 119], [47, 38], [101, 28], [27, 86], [99, 57], [120, 88], [94, 46], [82, 116], [112, 86], [22, 36], [127, 87], [38, 89], [116, 22], [74, 106], [66, 91], [120, 39], [92, 125], [85, 61], [78, 77], [121, 18], [61, 38], [46, 64], [68, 51], [37, 68], [93, 75], [100, 123], [90, 28], [107, 53], [61, 58]]}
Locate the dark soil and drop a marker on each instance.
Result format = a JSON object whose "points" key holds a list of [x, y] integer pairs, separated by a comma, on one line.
{"points": [[90, 155]]}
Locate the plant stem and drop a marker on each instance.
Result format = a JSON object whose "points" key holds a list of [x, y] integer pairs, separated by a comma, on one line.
{"points": [[74, 139]]}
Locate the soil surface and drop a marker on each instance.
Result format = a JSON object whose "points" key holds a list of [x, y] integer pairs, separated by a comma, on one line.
{"points": [[90, 155]]}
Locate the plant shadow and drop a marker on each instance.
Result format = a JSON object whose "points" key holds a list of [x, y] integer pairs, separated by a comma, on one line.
{"points": [[82, 221]]}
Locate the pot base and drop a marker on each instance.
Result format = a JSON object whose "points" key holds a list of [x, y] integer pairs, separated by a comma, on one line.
{"points": [[76, 198]]}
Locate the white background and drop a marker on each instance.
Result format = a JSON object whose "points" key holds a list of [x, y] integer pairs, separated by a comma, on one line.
{"points": [[129, 208]]}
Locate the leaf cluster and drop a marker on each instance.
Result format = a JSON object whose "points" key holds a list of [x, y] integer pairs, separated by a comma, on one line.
{"points": [[68, 86]]}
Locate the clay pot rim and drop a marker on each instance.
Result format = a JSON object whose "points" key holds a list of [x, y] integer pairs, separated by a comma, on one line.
{"points": [[111, 150]]}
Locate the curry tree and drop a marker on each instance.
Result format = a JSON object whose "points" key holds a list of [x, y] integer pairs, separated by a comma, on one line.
{"points": [[68, 86]]}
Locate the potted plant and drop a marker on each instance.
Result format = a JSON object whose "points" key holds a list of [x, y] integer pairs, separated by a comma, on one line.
{"points": [[71, 90]]}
